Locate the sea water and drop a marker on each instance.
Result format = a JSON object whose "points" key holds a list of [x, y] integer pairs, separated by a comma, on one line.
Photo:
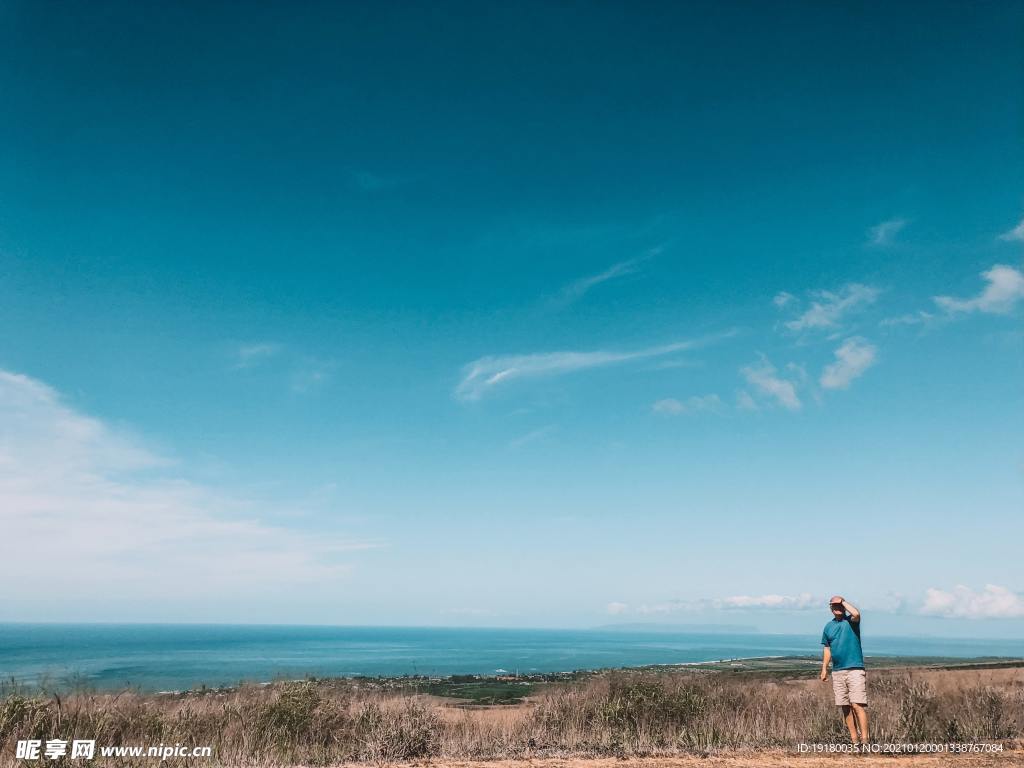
{"points": [[154, 657]]}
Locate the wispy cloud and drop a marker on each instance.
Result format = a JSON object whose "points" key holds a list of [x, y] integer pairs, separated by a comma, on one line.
{"points": [[853, 357], [885, 233], [782, 299], [764, 378], [1005, 288], [993, 602], [531, 437], [252, 354], [801, 602], [486, 373], [302, 373], [616, 609], [68, 480], [830, 308], [744, 401], [577, 289], [961, 602], [911, 318], [310, 376], [669, 406], [1014, 235], [890, 602]]}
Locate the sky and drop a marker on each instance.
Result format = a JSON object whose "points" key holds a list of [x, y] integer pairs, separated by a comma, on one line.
{"points": [[527, 315]]}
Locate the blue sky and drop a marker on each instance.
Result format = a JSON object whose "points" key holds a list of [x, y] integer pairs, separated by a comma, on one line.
{"points": [[518, 316]]}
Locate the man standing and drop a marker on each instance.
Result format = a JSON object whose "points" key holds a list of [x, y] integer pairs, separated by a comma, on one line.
{"points": [[841, 639]]}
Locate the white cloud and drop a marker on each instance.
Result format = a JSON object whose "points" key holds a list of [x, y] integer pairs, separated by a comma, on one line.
{"points": [[484, 374], [764, 378], [531, 437], [669, 406], [782, 298], [305, 375], [883, 234], [37, 429], [308, 378], [1005, 288], [1014, 235], [993, 602], [853, 357], [250, 355], [672, 407], [744, 401], [829, 308], [578, 288], [616, 609], [309, 374], [892, 602], [110, 517], [801, 602], [911, 318]]}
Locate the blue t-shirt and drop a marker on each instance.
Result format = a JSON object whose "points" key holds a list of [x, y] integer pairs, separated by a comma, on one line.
{"points": [[843, 637]]}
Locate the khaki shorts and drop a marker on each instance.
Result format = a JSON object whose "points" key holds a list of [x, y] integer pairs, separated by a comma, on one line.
{"points": [[850, 686]]}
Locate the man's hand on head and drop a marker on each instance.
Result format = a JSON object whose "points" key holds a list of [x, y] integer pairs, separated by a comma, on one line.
{"points": [[851, 610]]}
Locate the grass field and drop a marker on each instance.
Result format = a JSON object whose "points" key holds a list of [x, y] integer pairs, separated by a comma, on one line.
{"points": [[754, 710], [477, 690]]}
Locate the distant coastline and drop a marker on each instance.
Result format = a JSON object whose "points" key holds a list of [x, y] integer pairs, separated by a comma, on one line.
{"points": [[784, 667]]}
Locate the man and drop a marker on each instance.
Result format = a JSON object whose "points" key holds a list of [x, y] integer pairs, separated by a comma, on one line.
{"points": [[841, 639]]}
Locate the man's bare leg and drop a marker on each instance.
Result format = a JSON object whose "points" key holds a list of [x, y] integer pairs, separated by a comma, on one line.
{"points": [[861, 713], [851, 722]]}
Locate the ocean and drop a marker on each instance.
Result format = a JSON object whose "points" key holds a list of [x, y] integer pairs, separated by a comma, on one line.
{"points": [[159, 657]]}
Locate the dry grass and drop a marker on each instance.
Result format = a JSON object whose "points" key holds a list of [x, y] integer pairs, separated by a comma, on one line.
{"points": [[748, 759], [619, 714]]}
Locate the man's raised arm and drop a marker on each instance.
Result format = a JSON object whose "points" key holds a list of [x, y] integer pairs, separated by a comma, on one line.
{"points": [[852, 610]]}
